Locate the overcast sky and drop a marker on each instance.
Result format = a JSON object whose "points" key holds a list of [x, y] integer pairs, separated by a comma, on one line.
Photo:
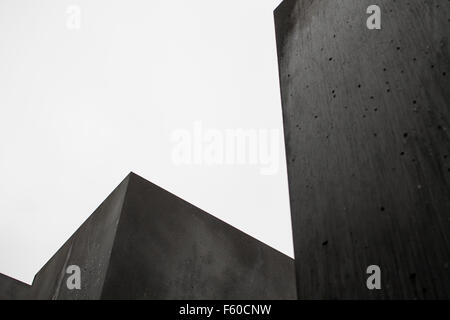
{"points": [[91, 90]]}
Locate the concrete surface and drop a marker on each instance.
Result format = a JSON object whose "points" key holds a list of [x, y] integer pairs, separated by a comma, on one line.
{"points": [[11, 289], [145, 243], [367, 116], [89, 248], [166, 248]]}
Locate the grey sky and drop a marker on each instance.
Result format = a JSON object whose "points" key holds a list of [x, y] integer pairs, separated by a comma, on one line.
{"points": [[81, 108]]}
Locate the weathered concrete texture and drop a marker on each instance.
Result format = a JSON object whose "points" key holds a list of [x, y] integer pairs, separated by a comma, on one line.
{"points": [[168, 249], [89, 248], [367, 116], [11, 289], [145, 243]]}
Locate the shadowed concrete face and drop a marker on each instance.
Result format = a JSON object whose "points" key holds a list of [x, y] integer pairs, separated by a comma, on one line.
{"points": [[168, 249], [11, 289], [145, 243], [89, 248], [366, 116]]}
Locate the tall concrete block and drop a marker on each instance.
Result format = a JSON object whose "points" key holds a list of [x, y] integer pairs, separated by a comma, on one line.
{"points": [[145, 243], [367, 119]]}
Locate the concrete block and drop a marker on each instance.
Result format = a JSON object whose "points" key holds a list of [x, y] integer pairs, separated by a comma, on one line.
{"points": [[367, 119], [145, 243]]}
